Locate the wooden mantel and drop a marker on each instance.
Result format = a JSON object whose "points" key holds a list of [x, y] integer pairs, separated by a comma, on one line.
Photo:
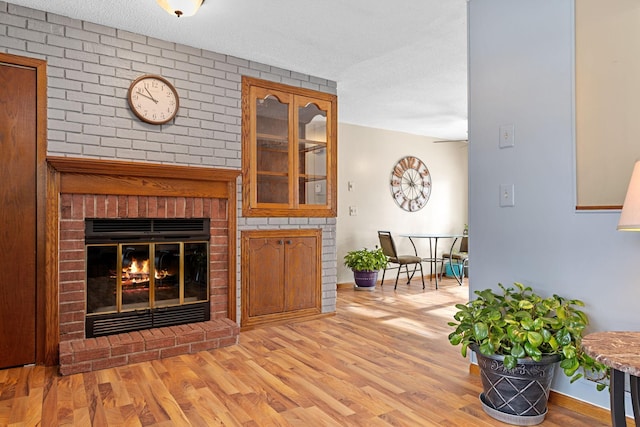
{"points": [[86, 176], [66, 175]]}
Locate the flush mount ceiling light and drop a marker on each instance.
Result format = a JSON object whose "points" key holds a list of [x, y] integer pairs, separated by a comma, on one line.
{"points": [[181, 7]]}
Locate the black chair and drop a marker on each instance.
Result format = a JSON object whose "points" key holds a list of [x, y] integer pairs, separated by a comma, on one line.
{"points": [[457, 260], [389, 249]]}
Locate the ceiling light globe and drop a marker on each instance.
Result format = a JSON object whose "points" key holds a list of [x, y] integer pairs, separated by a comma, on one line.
{"points": [[180, 7]]}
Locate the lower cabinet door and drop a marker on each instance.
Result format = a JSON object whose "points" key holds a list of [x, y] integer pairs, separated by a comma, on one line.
{"points": [[265, 292], [300, 271], [281, 275]]}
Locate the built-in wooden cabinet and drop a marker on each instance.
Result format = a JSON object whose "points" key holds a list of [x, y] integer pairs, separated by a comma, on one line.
{"points": [[288, 150], [281, 275]]}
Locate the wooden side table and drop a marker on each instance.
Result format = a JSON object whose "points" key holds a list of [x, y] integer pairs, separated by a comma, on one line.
{"points": [[621, 352]]}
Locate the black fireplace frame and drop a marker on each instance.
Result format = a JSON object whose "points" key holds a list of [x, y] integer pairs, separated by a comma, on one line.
{"points": [[146, 230], [102, 230], [99, 325]]}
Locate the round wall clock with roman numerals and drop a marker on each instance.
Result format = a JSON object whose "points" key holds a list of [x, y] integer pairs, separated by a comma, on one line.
{"points": [[410, 183], [153, 99]]}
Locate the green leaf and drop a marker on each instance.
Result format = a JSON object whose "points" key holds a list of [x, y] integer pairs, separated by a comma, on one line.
{"points": [[527, 323], [525, 305], [518, 351], [493, 315], [532, 351], [570, 366], [564, 337], [534, 338], [514, 333], [455, 338], [487, 348], [569, 351], [510, 362], [538, 324], [480, 330], [561, 312]]}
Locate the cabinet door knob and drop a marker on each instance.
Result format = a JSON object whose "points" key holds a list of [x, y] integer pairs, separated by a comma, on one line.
{"points": [[280, 242], [289, 242]]}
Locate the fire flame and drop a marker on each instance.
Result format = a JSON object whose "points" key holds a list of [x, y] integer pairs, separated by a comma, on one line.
{"points": [[138, 272], [136, 269]]}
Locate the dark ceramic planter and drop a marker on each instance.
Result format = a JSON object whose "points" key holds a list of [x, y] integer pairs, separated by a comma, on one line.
{"points": [[365, 279], [521, 392]]}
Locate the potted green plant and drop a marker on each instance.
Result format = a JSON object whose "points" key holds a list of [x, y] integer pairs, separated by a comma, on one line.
{"points": [[519, 338], [365, 264]]}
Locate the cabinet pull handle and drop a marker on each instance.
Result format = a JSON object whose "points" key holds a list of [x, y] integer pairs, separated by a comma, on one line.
{"points": [[280, 242], [288, 242]]}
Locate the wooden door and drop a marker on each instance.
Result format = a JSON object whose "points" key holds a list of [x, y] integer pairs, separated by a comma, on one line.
{"points": [[301, 272], [265, 290], [18, 192]]}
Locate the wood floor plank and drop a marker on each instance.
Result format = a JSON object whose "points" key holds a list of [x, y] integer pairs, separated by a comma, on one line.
{"points": [[215, 411], [383, 360]]}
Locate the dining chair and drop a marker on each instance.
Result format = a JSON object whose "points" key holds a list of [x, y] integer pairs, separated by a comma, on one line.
{"points": [[458, 260], [389, 249]]}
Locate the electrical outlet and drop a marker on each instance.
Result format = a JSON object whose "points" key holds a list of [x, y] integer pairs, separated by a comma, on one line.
{"points": [[507, 198], [353, 211]]}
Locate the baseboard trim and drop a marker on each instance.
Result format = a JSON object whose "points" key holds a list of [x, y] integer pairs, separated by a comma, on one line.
{"points": [[568, 402]]}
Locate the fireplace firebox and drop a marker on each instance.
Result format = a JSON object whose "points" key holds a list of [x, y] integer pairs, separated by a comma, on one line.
{"points": [[145, 273]]}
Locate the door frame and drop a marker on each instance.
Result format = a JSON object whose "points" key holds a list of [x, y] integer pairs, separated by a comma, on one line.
{"points": [[47, 325]]}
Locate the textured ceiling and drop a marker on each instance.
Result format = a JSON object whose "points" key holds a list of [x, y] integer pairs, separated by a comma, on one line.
{"points": [[399, 65]]}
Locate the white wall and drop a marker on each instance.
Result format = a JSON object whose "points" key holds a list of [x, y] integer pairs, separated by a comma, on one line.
{"points": [[365, 158], [521, 72]]}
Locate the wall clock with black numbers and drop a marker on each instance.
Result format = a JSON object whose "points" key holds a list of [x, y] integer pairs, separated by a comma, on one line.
{"points": [[410, 183], [153, 99]]}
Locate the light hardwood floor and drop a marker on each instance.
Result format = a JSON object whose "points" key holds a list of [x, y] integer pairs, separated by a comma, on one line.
{"points": [[382, 360]]}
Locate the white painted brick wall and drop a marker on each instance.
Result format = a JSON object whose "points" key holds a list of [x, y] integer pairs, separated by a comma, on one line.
{"points": [[90, 68]]}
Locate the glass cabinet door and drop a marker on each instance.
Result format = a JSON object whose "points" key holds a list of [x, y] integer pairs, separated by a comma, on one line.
{"points": [[312, 153], [272, 147], [288, 151]]}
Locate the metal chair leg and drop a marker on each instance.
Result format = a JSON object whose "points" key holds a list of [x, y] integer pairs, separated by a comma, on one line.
{"points": [[409, 277]]}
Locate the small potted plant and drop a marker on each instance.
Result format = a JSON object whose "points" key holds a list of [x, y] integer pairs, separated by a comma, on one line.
{"points": [[365, 264], [519, 338]]}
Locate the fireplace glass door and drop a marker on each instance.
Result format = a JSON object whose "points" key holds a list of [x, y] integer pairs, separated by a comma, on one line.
{"points": [[128, 277]]}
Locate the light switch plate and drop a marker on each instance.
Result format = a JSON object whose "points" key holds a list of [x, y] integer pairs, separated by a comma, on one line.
{"points": [[507, 197], [507, 138]]}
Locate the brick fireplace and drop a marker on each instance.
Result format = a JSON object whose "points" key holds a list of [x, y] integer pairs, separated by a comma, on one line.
{"points": [[117, 190]]}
